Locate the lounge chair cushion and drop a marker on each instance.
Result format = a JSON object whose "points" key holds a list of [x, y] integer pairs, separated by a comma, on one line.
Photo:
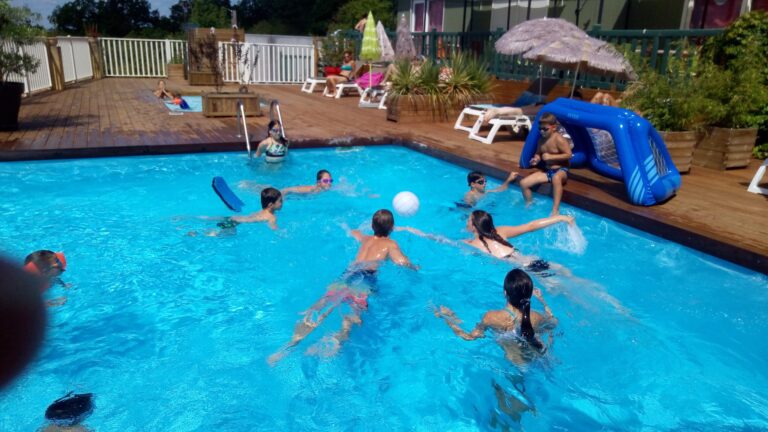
{"points": [[370, 79]]}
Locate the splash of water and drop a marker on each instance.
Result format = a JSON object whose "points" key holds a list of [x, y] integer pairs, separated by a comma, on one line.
{"points": [[571, 239]]}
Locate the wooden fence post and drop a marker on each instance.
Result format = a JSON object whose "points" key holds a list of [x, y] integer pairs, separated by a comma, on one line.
{"points": [[96, 58], [55, 64]]}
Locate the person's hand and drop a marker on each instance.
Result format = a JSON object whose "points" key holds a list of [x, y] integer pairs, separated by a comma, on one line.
{"points": [[512, 176], [570, 220], [535, 160], [537, 293]]}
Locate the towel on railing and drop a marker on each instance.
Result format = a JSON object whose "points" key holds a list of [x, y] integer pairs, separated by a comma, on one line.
{"points": [[370, 79]]}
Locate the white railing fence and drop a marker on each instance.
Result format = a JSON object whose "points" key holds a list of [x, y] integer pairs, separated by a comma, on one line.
{"points": [[41, 79], [75, 58], [140, 57], [266, 63]]}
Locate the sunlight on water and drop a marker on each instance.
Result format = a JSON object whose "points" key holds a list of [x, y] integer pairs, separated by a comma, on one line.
{"points": [[172, 332]]}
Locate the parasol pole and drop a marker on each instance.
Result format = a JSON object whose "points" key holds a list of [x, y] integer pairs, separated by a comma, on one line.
{"points": [[575, 78]]}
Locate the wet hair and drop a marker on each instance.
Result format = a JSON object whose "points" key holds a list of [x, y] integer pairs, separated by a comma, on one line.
{"points": [[548, 118], [483, 223], [473, 177], [320, 174], [70, 410], [269, 196], [382, 223], [43, 259], [518, 288]]}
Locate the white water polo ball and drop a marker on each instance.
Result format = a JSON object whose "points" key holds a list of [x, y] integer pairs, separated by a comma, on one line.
{"points": [[406, 203]]}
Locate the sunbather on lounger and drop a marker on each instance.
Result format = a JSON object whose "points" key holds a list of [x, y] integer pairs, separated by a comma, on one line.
{"points": [[493, 113], [346, 75]]}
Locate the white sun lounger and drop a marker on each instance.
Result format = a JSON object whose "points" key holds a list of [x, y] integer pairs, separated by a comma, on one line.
{"points": [[342, 87], [374, 97], [753, 185], [311, 82], [515, 123]]}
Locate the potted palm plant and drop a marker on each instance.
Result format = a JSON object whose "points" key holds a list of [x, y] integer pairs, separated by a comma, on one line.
{"points": [[432, 92], [16, 31]]}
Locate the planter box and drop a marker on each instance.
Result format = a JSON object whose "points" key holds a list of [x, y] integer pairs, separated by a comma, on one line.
{"points": [[202, 78], [419, 109], [174, 72], [225, 104], [680, 146], [722, 148]]}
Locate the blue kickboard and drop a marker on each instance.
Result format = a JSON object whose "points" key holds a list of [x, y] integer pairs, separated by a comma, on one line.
{"points": [[227, 196]]}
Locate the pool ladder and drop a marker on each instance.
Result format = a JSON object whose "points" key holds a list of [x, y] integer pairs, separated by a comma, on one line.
{"points": [[242, 125]]}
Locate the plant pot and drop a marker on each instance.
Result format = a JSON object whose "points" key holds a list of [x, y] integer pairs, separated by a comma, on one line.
{"points": [[680, 146], [225, 104], [10, 94], [202, 78], [722, 148], [419, 109], [174, 71]]}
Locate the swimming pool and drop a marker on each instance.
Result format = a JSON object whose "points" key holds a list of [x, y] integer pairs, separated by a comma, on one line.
{"points": [[171, 332]]}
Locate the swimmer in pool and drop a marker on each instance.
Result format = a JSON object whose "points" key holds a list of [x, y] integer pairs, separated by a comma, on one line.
{"points": [[271, 203], [49, 266], [352, 290], [493, 240], [516, 324], [323, 184], [477, 181]]}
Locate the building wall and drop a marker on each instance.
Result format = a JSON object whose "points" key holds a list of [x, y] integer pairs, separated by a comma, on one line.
{"points": [[489, 15]]}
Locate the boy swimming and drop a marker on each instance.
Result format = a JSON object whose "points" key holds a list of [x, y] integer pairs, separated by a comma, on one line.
{"points": [[353, 288], [477, 181], [271, 203]]}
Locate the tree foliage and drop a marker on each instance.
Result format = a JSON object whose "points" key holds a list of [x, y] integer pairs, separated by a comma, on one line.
{"points": [[350, 13], [16, 28], [115, 18]]}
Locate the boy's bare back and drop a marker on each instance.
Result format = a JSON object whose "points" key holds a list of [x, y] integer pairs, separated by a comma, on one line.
{"points": [[373, 250]]}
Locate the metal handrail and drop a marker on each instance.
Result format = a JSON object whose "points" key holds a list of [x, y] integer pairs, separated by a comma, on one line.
{"points": [[241, 121]]}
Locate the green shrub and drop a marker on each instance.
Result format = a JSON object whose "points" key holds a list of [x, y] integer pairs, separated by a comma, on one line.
{"points": [[760, 151], [673, 101]]}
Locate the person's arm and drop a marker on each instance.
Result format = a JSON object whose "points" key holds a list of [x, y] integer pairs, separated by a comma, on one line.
{"points": [[547, 310], [514, 231], [564, 154], [453, 322], [298, 190], [253, 217], [272, 222], [433, 237], [262, 145], [398, 257], [510, 178], [358, 235]]}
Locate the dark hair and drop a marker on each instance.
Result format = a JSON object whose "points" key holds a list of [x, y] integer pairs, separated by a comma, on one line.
{"points": [[483, 223], [548, 118], [518, 288], [44, 259], [70, 410], [577, 95], [348, 52], [320, 174], [269, 196], [382, 223], [473, 177], [272, 124]]}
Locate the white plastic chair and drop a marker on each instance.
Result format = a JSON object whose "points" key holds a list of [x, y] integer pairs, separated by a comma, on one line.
{"points": [[753, 186], [515, 123], [310, 84]]}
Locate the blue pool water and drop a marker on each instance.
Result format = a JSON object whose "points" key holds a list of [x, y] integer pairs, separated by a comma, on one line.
{"points": [[171, 332]]}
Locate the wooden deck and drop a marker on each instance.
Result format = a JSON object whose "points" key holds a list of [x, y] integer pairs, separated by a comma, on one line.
{"points": [[712, 212]]}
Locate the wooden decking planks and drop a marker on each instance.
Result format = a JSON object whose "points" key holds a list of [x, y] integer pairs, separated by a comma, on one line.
{"points": [[712, 212]]}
